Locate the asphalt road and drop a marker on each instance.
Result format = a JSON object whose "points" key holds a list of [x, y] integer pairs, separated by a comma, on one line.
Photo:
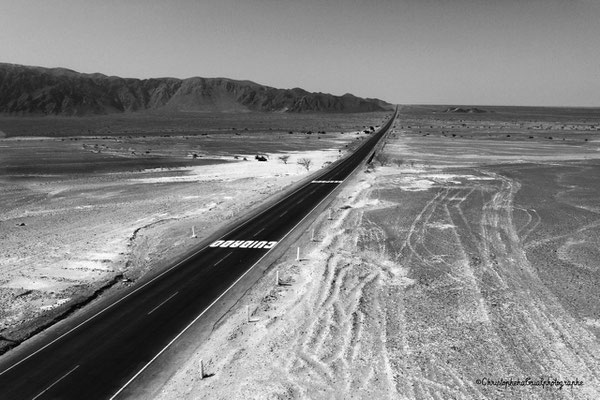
{"points": [[100, 356]]}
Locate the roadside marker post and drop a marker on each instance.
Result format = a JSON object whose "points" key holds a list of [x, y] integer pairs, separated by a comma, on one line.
{"points": [[248, 316], [193, 232], [330, 217], [279, 282], [298, 254], [201, 369], [312, 236]]}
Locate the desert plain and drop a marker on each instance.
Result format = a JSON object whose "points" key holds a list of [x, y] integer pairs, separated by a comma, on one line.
{"points": [[463, 259], [94, 204]]}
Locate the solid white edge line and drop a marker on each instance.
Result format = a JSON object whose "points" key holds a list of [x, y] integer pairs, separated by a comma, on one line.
{"points": [[283, 199], [145, 284], [103, 310], [327, 170], [55, 382], [158, 306], [212, 304], [220, 296], [165, 272]]}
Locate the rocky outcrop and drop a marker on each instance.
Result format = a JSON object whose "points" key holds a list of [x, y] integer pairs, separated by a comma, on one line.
{"points": [[472, 110]]}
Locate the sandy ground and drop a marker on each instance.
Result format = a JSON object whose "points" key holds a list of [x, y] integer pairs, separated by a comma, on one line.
{"points": [[465, 264], [68, 235], [463, 269]]}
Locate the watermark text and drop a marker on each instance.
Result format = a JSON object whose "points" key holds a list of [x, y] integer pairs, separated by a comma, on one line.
{"points": [[542, 382]]}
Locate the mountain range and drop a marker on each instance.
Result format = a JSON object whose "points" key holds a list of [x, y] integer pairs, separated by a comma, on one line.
{"points": [[26, 90]]}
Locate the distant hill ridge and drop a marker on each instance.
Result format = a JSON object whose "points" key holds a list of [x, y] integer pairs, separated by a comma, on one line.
{"points": [[472, 110], [60, 91]]}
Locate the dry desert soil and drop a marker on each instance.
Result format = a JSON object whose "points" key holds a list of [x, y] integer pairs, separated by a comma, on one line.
{"points": [[463, 261], [458, 266], [92, 205]]}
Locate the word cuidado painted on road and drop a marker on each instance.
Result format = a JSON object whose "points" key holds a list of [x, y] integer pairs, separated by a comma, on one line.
{"points": [[244, 244]]}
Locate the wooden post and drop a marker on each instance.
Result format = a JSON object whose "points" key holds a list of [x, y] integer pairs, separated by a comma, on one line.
{"points": [[248, 313], [201, 369], [330, 216]]}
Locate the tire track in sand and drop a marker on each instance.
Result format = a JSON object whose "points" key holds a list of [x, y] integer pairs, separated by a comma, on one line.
{"points": [[340, 351]]}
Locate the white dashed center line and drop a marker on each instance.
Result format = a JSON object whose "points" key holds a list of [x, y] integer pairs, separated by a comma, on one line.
{"points": [[156, 308], [59, 379], [283, 213], [258, 232], [218, 262]]}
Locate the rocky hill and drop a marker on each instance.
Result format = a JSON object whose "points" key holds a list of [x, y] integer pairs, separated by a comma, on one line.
{"points": [[472, 110], [59, 91]]}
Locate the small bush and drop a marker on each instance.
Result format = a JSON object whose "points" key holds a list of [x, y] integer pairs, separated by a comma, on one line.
{"points": [[382, 158], [305, 162]]}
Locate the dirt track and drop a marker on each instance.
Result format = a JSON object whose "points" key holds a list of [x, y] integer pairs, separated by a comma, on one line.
{"points": [[464, 259], [479, 309], [460, 267]]}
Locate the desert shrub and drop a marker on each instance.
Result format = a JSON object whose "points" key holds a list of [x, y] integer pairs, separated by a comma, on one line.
{"points": [[305, 162], [382, 158], [397, 161]]}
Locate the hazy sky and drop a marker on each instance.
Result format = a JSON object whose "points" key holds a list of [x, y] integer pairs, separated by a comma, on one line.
{"points": [[507, 52]]}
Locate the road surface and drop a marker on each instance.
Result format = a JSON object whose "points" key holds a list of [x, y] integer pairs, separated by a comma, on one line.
{"points": [[98, 358]]}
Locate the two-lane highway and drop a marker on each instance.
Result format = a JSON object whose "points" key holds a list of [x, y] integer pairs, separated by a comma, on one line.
{"points": [[101, 355]]}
